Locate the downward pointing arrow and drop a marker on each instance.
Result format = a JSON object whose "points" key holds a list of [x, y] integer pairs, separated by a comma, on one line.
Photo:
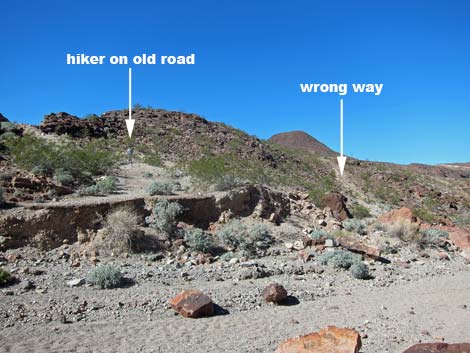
{"points": [[341, 159], [130, 122]]}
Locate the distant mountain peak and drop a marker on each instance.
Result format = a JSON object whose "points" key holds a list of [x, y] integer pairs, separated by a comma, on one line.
{"points": [[302, 141]]}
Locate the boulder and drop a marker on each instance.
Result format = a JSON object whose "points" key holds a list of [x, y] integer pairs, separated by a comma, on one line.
{"points": [[460, 238], [336, 202], [274, 293], [439, 348], [358, 246], [328, 340], [193, 304], [403, 214]]}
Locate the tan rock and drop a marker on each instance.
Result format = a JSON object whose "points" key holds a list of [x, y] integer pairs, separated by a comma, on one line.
{"points": [[403, 214], [328, 340]]}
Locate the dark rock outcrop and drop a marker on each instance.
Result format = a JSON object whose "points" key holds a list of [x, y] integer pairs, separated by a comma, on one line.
{"points": [[3, 118], [336, 202]]}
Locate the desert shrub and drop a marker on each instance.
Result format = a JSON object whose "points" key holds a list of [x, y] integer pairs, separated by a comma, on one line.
{"points": [[63, 177], [95, 157], [319, 235], [165, 214], [359, 270], [380, 227], [9, 126], [122, 230], [227, 182], [355, 225], [198, 240], [238, 236], [105, 186], [424, 215], [39, 170], [160, 188], [106, 276], [433, 236], [7, 136], [339, 259], [147, 175], [208, 169], [152, 159], [358, 211], [227, 256], [405, 231], [5, 277]]}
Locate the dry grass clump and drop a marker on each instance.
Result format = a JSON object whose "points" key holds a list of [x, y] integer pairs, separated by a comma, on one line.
{"points": [[121, 230], [405, 231]]}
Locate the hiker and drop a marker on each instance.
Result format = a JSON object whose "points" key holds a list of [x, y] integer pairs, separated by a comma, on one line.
{"points": [[130, 153]]}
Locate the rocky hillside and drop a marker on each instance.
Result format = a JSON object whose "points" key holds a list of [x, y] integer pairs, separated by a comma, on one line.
{"points": [[302, 141], [210, 151]]}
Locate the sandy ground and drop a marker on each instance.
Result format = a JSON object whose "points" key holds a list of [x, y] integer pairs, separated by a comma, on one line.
{"points": [[392, 315]]}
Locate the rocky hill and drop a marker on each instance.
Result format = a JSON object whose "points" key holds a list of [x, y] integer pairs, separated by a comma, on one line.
{"points": [[302, 141]]}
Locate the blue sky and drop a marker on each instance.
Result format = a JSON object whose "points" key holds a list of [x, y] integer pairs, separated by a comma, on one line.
{"points": [[250, 58]]}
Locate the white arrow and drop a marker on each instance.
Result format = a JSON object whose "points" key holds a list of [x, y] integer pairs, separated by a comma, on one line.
{"points": [[341, 159], [130, 122]]}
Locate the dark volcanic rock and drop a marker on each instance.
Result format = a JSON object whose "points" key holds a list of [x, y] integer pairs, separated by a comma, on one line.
{"points": [[64, 123], [337, 204], [274, 293], [3, 118], [439, 348]]}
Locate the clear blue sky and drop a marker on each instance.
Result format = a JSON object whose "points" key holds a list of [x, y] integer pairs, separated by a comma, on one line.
{"points": [[251, 57]]}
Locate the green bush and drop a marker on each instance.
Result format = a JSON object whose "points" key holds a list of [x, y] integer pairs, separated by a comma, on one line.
{"points": [[165, 214], [319, 235], [106, 276], [355, 225], [159, 188], [227, 182], [96, 157], [358, 211], [105, 186], [359, 270], [147, 175], [198, 240], [424, 215], [63, 177], [208, 169], [238, 236], [434, 237], [339, 259], [5, 277]]}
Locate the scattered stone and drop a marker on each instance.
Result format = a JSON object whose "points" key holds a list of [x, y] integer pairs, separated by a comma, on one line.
{"points": [[193, 304], [299, 245], [328, 340], [289, 246], [439, 348], [274, 293], [76, 282], [358, 246], [329, 243], [27, 285]]}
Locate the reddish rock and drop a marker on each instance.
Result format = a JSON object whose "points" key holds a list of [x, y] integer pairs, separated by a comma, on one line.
{"points": [[192, 303], [439, 348], [274, 293], [337, 204], [460, 238], [358, 246], [403, 214], [328, 340]]}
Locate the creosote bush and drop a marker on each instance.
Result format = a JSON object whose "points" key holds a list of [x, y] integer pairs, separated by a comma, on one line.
{"points": [[358, 211], [33, 153], [160, 188], [319, 235], [339, 259], [198, 240], [433, 237], [5, 277], [105, 186], [106, 277], [359, 270], [165, 214], [227, 182], [355, 225], [122, 230], [238, 236]]}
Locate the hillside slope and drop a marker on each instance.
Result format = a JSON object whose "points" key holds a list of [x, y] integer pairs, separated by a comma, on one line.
{"points": [[302, 141]]}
